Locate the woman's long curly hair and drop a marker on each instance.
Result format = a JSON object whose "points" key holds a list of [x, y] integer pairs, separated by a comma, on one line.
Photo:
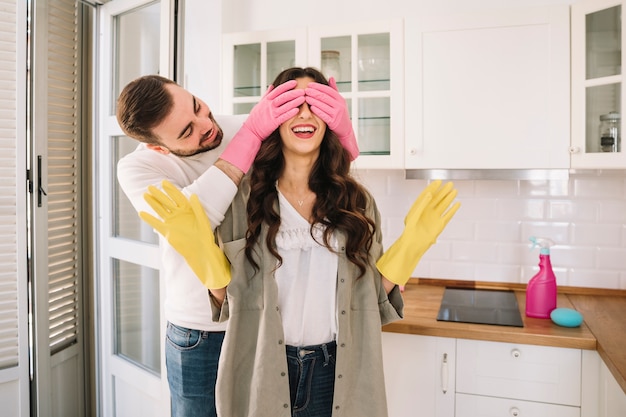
{"points": [[340, 200]]}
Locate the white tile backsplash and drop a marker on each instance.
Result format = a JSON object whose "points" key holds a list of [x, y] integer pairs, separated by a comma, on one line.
{"points": [[487, 240], [497, 231], [612, 211], [597, 187], [597, 234], [521, 209]]}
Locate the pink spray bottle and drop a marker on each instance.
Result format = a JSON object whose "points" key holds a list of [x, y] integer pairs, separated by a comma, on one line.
{"points": [[541, 289]]}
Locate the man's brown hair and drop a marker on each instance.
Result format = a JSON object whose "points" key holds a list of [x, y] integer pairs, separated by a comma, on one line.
{"points": [[142, 105]]}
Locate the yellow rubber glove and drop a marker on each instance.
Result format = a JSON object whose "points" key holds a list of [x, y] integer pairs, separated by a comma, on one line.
{"points": [[424, 222], [187, 228]]}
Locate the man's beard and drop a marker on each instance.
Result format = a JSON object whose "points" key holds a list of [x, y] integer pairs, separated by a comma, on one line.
{"points": [[203, 148]]}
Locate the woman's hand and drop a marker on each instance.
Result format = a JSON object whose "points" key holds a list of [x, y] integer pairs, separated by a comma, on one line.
{"points": [[425, 221]]}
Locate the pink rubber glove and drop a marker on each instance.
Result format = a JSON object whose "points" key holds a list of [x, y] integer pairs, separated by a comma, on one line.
{"points": [[276, 107], [331, 107]]}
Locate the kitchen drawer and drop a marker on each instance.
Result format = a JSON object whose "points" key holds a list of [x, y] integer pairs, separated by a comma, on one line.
{"points": [[479, 406], [524, 372]]}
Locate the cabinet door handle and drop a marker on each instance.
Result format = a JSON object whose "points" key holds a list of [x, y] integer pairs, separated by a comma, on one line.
{"points": [[444, 373], [514, 412]]}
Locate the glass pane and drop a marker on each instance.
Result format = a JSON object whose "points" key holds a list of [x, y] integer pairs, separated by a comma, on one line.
{"points": [[136, 45], [243, 108], [335, 61], [137, 335], [374, 64], [374, 129], [126, 221], [602, 102], [280, 56], [604, 43], [247, 70]]}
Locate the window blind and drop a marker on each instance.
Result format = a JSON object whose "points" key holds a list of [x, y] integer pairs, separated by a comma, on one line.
{"points": [[63, 176], [8, 186]]}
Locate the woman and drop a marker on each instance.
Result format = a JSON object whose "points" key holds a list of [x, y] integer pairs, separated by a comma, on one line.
{"points": [[306, 301]]}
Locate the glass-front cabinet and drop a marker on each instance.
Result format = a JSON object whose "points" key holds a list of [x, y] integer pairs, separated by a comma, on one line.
{"points": [[251, 62], [365, 59], [597, 85]]}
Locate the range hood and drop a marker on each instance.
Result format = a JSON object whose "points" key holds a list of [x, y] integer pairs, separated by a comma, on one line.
{"points": [[509, 174], [487, 174]]}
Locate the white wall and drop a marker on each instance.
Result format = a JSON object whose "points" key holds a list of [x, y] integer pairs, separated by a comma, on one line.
{"points": [[202, 50], [247, 15]]}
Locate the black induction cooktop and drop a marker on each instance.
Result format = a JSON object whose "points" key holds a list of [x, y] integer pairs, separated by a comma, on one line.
{"points": [[470, 305]]}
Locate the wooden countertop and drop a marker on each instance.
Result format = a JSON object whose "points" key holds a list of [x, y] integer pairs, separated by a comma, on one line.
{"points": [[603, 329]]}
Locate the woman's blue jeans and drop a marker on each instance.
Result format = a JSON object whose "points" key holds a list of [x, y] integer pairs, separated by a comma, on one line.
{"points": [[312, 379], [191, 358]]}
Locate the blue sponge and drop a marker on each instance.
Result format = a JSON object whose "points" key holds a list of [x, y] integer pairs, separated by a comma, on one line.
{"points": [[566, 317]]}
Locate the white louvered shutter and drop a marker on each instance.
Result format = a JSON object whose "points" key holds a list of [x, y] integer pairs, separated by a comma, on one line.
{"points": [[14, 366], [9, 346], [63, 175]]}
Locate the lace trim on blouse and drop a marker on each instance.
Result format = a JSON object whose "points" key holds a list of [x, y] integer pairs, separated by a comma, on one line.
{"points": [[299, 238]]}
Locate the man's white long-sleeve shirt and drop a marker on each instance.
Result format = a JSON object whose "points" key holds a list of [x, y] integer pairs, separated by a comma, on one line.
{"points": [[186, 301]]}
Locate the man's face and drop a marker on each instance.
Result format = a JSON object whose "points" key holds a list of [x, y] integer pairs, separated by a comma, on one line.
{"points": [[189, 128]]}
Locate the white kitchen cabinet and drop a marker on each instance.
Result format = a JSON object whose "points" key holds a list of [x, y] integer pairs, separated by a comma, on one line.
{"points": [[446, 377], [613, 398], [369, 70], [602, 396], [597, 86], [494, 378], [488, 91], [419, 375]]}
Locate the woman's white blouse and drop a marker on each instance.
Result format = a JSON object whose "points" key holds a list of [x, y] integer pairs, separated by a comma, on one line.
{"points": [[307, 280]]}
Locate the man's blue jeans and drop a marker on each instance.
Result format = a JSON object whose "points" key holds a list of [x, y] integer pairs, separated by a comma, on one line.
{"points": [[312, 379], [191, 358]]}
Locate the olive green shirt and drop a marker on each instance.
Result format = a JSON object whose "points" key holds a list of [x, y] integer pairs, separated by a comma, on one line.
{"points": [[253, 379]]}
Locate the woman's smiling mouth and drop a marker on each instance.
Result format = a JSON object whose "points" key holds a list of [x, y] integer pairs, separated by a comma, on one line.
{"points": [[303, 131]]}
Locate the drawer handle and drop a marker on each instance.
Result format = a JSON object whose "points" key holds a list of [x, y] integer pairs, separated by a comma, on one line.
{"points": [[516, 353], [514, 412], [444, 373]]}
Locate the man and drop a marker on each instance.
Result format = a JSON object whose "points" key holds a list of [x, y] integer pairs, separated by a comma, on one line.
{"points": [[181, 143]]}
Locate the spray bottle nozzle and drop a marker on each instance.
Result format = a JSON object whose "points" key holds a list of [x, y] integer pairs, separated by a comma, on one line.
{"points": [[543, 242]]}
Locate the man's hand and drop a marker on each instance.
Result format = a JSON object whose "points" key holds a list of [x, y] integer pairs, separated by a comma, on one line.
{"points": [[187, 228], [276, 107]]}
